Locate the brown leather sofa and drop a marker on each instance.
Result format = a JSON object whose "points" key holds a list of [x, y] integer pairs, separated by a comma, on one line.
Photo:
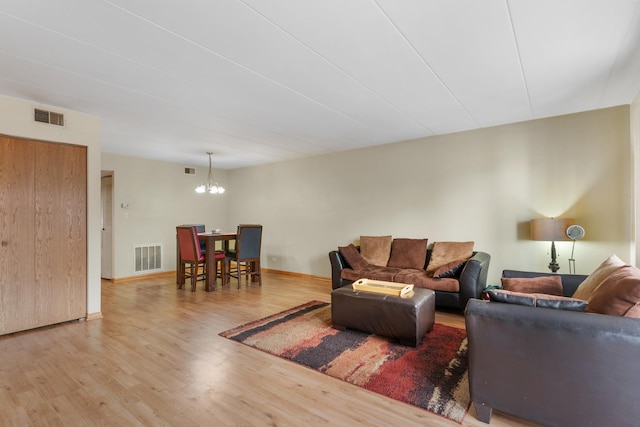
{"points": [[554, 367], [472, 278]]}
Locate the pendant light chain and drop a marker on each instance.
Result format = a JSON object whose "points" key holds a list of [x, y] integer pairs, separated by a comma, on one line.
{"points": [[211, 186]]}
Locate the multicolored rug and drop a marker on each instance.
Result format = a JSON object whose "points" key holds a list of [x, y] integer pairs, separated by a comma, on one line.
{"points": [[432, 376]]}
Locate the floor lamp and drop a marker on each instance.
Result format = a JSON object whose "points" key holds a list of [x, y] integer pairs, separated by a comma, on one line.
{"points": [[574, 232], [551, 230]]}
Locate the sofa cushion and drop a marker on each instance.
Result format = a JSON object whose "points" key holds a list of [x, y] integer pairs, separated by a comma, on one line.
{"points": [[562, 303], [351, 274], [376, 249], [551, 285], [520, 298], [608, 266], [446, 252], [450, 270], [618, 294], [353, 257], [537, 300], [373, 272], [408, 253], [386, 274], [420, 279]]}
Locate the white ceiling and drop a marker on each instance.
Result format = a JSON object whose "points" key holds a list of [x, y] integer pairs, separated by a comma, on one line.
{"points": [[259, 81]]}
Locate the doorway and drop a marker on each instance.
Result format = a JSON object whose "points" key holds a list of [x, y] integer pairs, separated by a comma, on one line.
{"points": [[106, 222]]}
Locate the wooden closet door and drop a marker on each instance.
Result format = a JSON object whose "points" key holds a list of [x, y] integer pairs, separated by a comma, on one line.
{"points": [[17, 231], [60, 232], [43, 221]]}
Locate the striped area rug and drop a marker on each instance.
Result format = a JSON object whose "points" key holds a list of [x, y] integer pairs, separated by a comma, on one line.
{"points": [[432, 376]]}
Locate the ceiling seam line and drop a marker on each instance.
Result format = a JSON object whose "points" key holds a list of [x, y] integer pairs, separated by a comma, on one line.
{"points": [[425, 62], [90, 45], [106, 83], [123, 88], [613, 66], [358, 82], [200, 46], [226, 134], [41, 88], [109, 52], [517, 46]]}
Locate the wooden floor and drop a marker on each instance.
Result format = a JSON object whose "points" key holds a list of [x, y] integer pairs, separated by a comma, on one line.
{"points": [[156, 359]]}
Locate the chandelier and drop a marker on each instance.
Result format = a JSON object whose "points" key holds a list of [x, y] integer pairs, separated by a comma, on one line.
{"points": [[210, 186]]}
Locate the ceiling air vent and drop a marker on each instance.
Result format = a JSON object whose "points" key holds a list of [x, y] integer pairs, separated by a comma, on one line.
{"points": [[190, 171], [50, 117]]}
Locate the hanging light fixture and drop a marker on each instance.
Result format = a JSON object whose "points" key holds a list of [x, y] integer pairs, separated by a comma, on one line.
{"points": [[210, 186]]}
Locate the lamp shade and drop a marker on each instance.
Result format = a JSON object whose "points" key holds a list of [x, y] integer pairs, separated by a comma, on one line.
{"points": [[550, 229]]}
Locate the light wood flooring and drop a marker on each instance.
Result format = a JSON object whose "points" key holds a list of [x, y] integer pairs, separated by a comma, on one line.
{"points": [[155, 359]]}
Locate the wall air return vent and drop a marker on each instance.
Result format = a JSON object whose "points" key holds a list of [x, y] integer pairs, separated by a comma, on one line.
{"points": [[50, 117], [147, 258], [190, 171]]}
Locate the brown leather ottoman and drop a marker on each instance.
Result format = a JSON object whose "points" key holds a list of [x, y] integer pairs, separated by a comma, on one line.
{"points": [[407, 318]]}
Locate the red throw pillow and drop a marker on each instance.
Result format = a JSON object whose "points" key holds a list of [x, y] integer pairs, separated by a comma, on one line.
{"points": [[353, 257]]}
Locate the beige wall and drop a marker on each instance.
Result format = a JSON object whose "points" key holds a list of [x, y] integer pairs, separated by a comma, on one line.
{"points": [[160, 196], [16, 119], [482, 185], [635, 177]]}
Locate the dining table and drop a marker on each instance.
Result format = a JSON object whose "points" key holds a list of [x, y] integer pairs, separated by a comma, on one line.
{"points": [[210, 239]]}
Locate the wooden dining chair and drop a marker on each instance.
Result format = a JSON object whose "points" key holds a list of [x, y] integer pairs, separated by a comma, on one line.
{"points": [[246, 256], [191, 255], [200, 228]]}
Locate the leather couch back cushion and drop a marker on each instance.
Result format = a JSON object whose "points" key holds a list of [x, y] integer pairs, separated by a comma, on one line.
{"points": [[537, 300], [550, 285], [376, 249], [353, 257], [408, 253], [618, 294], [446, 252], [594, 280]]}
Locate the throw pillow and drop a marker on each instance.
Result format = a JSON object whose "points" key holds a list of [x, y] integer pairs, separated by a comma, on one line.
{"points": [[618, 294], [450, 270], [408, 253], [376, 249], [551, 285], [353, 257], [594, 280], [537, 300], [443, 253]]}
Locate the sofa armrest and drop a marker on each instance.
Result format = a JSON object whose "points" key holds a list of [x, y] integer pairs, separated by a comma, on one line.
{"points": [[554, 367], [338, 263], [570, 282], [473, 278]]}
